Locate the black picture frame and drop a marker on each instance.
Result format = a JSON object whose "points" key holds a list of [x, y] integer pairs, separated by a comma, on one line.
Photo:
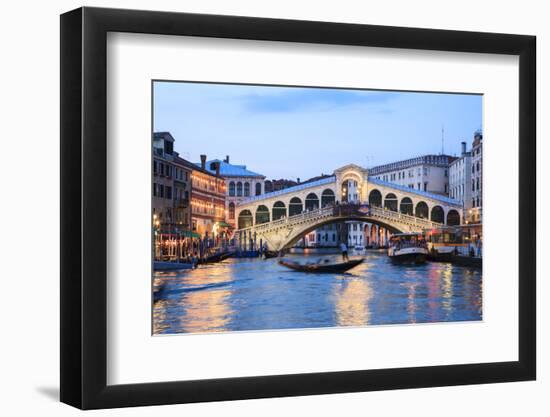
{"points": [[84, 207]]}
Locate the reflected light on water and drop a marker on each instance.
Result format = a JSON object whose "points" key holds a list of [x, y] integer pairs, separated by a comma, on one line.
{"points": [[257, 294], [447, 288], [206, 311], [352, 302]]}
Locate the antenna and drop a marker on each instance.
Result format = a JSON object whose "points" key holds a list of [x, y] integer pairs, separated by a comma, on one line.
{"points": [[442, 139]]}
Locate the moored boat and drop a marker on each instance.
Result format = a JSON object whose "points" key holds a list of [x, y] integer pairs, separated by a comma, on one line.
{"points": [[441, 254], [160, 266], [407, 248], [270, 254], [321, 267]]}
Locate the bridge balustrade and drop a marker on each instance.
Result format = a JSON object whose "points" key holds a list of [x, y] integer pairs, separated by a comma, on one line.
{"points": [[344, 211]]}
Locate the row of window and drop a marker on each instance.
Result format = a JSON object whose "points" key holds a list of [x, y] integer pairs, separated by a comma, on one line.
{"points": [[163, 216], [422, 186], [401, 175], [240, 190], [458, 191], [181, 194], [200, 207], [476, 167], [162, 191], [323, 237], [164, 170], [207, 184]]}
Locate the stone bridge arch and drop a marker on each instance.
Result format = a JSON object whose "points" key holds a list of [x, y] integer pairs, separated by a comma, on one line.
{"points": [[296, 236]]}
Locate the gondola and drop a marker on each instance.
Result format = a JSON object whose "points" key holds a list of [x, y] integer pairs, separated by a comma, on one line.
{"points": [[218, 257], [270, 254], [321, 267]]}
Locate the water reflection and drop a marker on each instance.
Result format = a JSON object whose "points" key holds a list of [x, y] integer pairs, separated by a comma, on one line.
{"points": [[352, 302], [255, 294]]}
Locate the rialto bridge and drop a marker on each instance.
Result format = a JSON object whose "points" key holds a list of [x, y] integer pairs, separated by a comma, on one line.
{"points": [[282, 217]]}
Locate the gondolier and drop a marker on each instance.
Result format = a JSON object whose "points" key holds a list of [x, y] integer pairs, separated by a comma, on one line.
{"points": [[344, 249]]}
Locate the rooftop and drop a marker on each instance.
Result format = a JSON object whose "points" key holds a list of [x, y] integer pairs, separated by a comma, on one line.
{"points": [[299, 187], [230, 170], [331, 179], [163, 135], [184, 162], [437, 160], [426, 194]]}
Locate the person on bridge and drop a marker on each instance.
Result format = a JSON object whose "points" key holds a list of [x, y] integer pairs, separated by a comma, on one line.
{"points": [[344, 250]]}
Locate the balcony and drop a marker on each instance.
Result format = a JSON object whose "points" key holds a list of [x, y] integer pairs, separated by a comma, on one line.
{"points": [[182, 202]]}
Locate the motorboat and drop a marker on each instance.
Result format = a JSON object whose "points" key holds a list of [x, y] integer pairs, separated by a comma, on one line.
{"points": [[409, 248]]}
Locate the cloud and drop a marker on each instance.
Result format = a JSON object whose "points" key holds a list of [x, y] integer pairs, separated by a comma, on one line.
{"points": [[312, 99]]}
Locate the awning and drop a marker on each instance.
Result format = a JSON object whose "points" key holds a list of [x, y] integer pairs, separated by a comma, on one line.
{"points": [[188, 233], [224, 224], [184, 233]]}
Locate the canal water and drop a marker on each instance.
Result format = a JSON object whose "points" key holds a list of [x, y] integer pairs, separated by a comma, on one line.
{"points": [[257, 294]]}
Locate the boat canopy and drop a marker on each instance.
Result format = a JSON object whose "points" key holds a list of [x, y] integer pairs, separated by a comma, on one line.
{"points": [[397, 235]]}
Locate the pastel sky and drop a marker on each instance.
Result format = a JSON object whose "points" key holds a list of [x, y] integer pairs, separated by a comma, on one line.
{"points": [[290, 132]]}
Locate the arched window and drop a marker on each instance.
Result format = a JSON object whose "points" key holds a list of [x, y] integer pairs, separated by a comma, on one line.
{"points": [[421, 210], [262, 214], [375, 198], [239, 189], [279, 210], [345, 191], [437, 214], [258, 188], [247, 189], [231, 210], [312, 202], [453, 218], [327, 198], [232, 189], [245, 219], [295, 207], [390, 202], [406, 206]]}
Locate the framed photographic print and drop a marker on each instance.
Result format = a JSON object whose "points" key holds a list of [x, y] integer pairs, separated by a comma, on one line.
{"points": [[258, 207]]}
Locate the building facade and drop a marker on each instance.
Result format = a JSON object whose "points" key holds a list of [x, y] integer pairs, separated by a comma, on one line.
{"points": [[241, 183], [182, 195], [208, 191], [460, 171], [475, 214], [163, 180], [428, 173], [323, 237], [171, 186]]}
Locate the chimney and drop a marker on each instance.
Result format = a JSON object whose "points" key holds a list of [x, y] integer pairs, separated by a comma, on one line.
{"points": [[298, 180], [203, 161], [463, 148], [227, 158], [217, 165]]}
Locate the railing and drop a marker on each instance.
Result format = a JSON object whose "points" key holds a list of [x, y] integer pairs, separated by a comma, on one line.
{"points": [[329, 211], [402, 218]]}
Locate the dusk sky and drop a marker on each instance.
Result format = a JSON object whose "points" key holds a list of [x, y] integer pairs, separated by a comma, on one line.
{"points": [[287, 132]]}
